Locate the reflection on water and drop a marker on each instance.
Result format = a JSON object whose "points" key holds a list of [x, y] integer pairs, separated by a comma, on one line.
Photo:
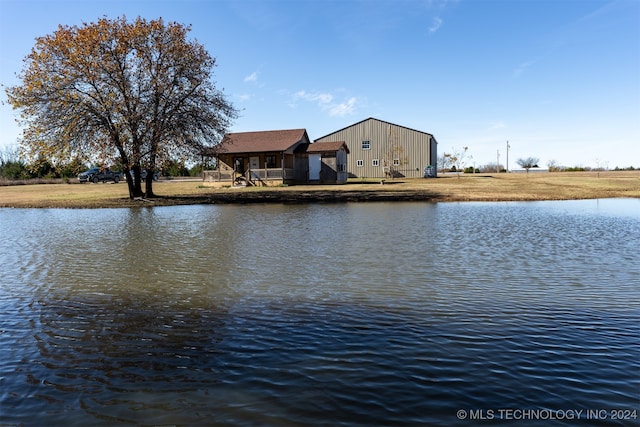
{"points": [[353, 314]]}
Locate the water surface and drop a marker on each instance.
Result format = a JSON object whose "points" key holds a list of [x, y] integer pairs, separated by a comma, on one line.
{"points": [[340, 314]]}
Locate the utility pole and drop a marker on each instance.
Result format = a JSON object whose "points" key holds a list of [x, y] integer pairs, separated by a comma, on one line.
{"points": [[498, 162], [508, 146]]}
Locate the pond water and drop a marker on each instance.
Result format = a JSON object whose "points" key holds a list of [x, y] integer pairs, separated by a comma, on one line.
{"points": [[322, 314]]}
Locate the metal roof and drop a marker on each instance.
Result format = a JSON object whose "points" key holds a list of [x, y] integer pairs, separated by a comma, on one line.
{"points": [[374, 119]]}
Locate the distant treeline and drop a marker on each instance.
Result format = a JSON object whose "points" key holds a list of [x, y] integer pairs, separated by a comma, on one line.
{"points": [[587, 169], [492, 168], [12, 168]]}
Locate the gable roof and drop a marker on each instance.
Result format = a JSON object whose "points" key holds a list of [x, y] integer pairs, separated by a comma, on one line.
{"points": [[377, 120], [262, 141], [322, 147]]}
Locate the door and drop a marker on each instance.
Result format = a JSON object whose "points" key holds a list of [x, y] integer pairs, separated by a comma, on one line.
{"points": [[254, 165], [238, 165], [254, 161], [315, 165]]}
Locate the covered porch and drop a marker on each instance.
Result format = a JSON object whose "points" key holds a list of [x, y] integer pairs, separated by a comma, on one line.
{"points": [[254, 169], [257, 177]]}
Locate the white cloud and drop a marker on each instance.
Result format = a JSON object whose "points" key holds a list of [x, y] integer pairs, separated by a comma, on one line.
{"points": [[243, 97], [497, 125], [320, 98], [439, 4], [344, 108], [522, 68], [436, 23], [251, 77], [325, 101]]}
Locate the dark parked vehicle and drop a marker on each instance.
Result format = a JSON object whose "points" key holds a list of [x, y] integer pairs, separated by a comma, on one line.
{"points": [[87, 175], [96, 175]]}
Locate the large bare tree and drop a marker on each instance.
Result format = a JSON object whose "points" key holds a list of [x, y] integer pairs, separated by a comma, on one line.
{"points": [[528, 163], [134, 92]]}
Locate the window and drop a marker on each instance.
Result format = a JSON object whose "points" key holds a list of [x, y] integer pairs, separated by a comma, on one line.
{"points": [[270, 161], [342, 167], [396, 162], [366, 145], [360, 163], [375, 162]]}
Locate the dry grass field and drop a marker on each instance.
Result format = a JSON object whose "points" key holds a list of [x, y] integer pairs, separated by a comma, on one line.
{"points": [[472, 187]]}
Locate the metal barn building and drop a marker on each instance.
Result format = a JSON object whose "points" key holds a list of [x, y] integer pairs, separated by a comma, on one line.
{"points": [[380, 149]]}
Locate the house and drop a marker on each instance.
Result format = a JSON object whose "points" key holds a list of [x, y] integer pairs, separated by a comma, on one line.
{"points": [[277, 157], [380, 149]]}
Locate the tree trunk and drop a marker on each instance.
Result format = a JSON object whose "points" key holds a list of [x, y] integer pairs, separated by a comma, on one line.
{"points": [[135, 182], [149, 183], [127, 176]]}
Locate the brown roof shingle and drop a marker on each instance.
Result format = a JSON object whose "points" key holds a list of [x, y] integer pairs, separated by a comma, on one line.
{"points": [[321, 147], [262, 141]]}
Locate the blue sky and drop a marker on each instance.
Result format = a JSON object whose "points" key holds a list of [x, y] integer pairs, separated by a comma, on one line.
{"points": [[559, 80]]}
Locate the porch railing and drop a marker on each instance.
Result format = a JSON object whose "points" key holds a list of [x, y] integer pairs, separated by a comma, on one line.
{"points": [[218, 175], [270, 174]]}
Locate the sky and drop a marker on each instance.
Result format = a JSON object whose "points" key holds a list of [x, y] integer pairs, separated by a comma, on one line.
{"points": [[557, 80]]}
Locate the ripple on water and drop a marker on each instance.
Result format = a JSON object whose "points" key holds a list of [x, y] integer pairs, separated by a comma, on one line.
{"points": [[189, 320]]}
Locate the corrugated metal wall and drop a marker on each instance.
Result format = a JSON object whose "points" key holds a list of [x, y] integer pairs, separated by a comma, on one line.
{"points": [[409, 149]]}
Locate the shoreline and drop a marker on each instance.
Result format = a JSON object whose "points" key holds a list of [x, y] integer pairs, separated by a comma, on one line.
{"points": [[466, 188]]}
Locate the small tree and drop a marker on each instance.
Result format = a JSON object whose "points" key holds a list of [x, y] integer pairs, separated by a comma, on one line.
{"points": [[12, 166], [492, 167], [528, 163], [175, 168], [72, 169], [456, 159], [554, 166], [445, 162]]}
